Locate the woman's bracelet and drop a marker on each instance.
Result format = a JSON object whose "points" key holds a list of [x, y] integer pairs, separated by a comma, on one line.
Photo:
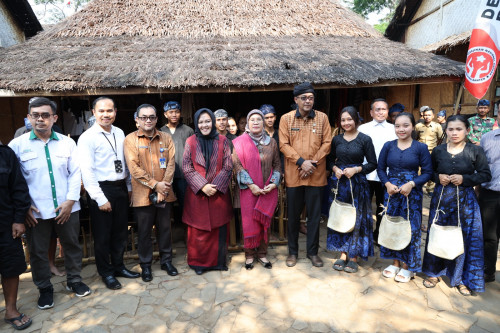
{"points": [[412, 183]]}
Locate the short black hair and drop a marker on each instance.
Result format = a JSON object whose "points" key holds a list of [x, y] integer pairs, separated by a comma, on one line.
{"points": [[101, 99], [379, 100], [41, 101], [458, 117], [406, 114], [144, 106], [351, 110]]}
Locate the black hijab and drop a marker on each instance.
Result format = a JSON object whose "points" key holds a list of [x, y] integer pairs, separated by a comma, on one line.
{"points": [[206, 141]]}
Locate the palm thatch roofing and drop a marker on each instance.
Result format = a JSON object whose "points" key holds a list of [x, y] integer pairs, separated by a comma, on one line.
{"points": [[24, 16], [203, 45]]}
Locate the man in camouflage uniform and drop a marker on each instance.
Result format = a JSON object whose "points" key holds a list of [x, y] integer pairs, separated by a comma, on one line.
{"points": [[480, 123]]}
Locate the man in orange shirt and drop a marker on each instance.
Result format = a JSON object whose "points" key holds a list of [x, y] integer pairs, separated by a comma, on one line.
{"points": [[304, 138], [150, 160]]}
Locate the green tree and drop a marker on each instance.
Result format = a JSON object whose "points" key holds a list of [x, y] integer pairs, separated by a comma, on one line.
{"points": [[365, 7], [57, 10]]}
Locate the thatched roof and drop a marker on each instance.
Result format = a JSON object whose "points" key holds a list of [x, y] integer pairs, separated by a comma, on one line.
{"points": [[197, 45], [403, 15], [448, 42]]}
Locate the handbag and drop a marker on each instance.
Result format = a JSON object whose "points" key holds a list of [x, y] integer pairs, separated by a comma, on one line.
{"points": [[342, 216], [395, 231], [446, 241]]}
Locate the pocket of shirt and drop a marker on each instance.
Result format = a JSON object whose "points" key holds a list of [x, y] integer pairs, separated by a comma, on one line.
{"points": [[29, 161]]}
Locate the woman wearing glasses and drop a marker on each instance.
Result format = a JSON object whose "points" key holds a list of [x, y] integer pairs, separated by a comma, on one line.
{"points": [[403, 196], [257, 167], [207, 167], [348, 152], [458, 167]]}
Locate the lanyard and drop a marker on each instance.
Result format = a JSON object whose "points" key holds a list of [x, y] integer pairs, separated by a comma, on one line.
{"points": [[114, 148]]}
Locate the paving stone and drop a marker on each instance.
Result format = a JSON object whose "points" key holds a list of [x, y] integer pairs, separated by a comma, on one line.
{"points": [[461, 319], [191, 293], [173, 296], [299, 325], [143, 310], [123, 320], [192, 310], [437, 300], [488, 324], [149, 324], [477, 329], [225, 323], [227, 291], [120, 304]]}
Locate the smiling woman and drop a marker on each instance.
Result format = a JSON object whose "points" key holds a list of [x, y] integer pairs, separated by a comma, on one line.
{"points": [[208, 168]]}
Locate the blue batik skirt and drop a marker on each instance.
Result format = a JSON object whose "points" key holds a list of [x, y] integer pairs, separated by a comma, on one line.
{"points": [[468, 268], [359, 242], [397, 207]]}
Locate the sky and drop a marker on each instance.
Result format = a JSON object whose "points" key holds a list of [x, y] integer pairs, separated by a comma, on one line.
{"points": [[45, 14]]}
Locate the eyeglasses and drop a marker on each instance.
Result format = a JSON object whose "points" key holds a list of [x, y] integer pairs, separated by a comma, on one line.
{"points": [[306, 98], [145, 118], [44, 115]]}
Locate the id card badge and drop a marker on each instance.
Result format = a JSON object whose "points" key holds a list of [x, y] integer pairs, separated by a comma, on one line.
{"points": [[163, 163], [118, 166]]}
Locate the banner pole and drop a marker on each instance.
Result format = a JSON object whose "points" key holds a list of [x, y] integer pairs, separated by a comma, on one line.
{"points": [[459, 97]]}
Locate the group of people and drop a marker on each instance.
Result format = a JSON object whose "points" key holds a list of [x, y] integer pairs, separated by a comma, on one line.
{"points": [[44, 173]]}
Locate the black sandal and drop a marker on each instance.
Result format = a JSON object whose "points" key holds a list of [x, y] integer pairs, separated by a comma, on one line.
{"points": [[20, 319], [430, 282], [249, 266], [351, 267], [267, 264], [339, 265]]}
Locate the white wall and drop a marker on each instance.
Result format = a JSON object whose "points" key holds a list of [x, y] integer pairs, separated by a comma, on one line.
{"points": [[457, 17], [10, 33]]}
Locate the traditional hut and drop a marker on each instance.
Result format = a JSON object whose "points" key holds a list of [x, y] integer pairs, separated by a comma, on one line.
{"points": [[17, 22], [248, 51], [443, 28]]}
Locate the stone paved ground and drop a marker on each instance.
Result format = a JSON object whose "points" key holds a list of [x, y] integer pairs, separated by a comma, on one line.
{"points": [[302, 298]]}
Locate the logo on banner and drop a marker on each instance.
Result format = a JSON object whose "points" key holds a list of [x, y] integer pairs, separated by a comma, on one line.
{"points": [[481, 64]]}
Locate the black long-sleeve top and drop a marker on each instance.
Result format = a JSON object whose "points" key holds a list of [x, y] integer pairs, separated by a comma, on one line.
{"points": [[14, 194], [345, 152], [471, 163]]}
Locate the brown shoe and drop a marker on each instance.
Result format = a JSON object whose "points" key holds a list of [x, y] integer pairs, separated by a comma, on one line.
{"points": [[315, 260], [291, 260]]}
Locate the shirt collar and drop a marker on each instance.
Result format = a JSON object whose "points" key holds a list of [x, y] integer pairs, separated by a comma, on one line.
{"points": [[311, 114], [141, 133], [98, 128], [376, 123], [53, 135]]}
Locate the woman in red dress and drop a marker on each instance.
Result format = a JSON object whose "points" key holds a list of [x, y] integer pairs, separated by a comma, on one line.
{"points": [[207, 167]]}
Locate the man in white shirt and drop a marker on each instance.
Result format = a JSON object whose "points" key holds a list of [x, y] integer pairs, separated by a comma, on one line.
{"points": [[50, 165], [106, 179], [380, 131]]}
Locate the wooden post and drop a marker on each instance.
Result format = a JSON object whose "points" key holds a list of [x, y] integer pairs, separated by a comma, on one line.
{"points": [[459, 97]]}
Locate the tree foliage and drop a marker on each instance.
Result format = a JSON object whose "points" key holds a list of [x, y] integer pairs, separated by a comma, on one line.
{"points": [[365, 7], [56, 10]]}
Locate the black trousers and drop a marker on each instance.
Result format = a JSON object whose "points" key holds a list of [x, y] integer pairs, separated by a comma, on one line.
{"points": [[147, 217], [110, 228], [38, 243], [296, 198], [489, 202], [179, 186], [377, 189]]}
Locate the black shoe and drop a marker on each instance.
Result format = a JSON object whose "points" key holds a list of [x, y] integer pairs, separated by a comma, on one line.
{"points": [[111, 282], [171, 270], [79, 288], [267, 265], [147, 275], [249, 266], [127, 274], [489, 277], [46, 298], [198, 271]]}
